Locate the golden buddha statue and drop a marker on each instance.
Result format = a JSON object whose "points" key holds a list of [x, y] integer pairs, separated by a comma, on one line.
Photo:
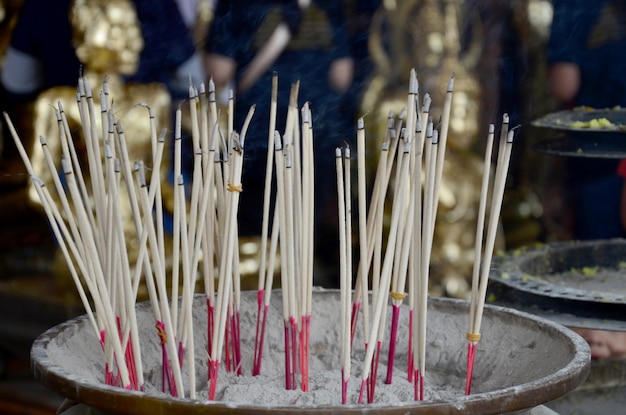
{"points": [[424, 34], [107, 39]]}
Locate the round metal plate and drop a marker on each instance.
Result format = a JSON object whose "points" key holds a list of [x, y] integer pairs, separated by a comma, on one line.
{"points": [[587, 271], [547, 362], [567, 120]]}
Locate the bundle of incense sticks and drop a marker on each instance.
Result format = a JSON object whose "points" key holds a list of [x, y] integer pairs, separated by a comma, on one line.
{"points": [[416, 150], [484, 244], [292, 228], [416, 154], [89, 221]]}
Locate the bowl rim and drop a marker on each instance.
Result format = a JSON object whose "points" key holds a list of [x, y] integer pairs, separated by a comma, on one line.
{"points": [[511, 399]]}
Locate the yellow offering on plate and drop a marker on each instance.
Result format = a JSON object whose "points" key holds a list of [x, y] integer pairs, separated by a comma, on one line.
{"points": [[593, 123]]}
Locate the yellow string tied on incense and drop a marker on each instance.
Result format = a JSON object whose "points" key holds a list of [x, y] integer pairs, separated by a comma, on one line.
{"points": [[161, 333], [234, 187], [397, 296], [473, 337]]}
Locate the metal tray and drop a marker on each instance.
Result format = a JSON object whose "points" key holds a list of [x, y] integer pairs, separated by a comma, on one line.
{"points": [[564, 120], [589, 271]]}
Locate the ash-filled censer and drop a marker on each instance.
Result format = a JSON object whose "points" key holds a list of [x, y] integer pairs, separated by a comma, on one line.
{"points": [[522, 363]]}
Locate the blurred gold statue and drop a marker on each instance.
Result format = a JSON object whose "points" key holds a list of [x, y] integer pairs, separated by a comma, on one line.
{"points": [[107, 39], [424, 34]]}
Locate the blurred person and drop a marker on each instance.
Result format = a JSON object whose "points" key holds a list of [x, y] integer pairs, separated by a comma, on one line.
{"points": [[586, 68], [317, 55], [604, 344], [44, 49], [142, 48], [137, 44]]}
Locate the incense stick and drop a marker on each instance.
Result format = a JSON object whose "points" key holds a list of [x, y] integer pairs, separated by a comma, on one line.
{"points": [[258, 351], [404, 234], [344, 278], [225, 278]]}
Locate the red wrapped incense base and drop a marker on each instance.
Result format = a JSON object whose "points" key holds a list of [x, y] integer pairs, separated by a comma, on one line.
{"points": [[521, 362]]}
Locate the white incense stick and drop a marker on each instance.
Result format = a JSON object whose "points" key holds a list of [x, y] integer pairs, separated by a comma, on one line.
{"points": [[344, 278]]}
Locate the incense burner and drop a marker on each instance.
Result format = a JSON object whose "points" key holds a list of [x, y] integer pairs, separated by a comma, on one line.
{"points": [[522, 362]]}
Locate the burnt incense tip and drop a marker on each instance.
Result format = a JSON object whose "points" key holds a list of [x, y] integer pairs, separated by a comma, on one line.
{"points": [[278, 145], [451, 83], [181, 180], [150, 112], [505, 118], [407, 147], [111, 123], [429, 128], [237, 142], [402, 114], [435, 138], [81, 86], [87, 88], [426, 102], [413, 85], [108, 151], [103, 102], [338, 152], [42, 140], [346, 152], [492, 128], [360, 124], [288, 162], [211, 85], [141, 175], [66, 165], [510, 135]]}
